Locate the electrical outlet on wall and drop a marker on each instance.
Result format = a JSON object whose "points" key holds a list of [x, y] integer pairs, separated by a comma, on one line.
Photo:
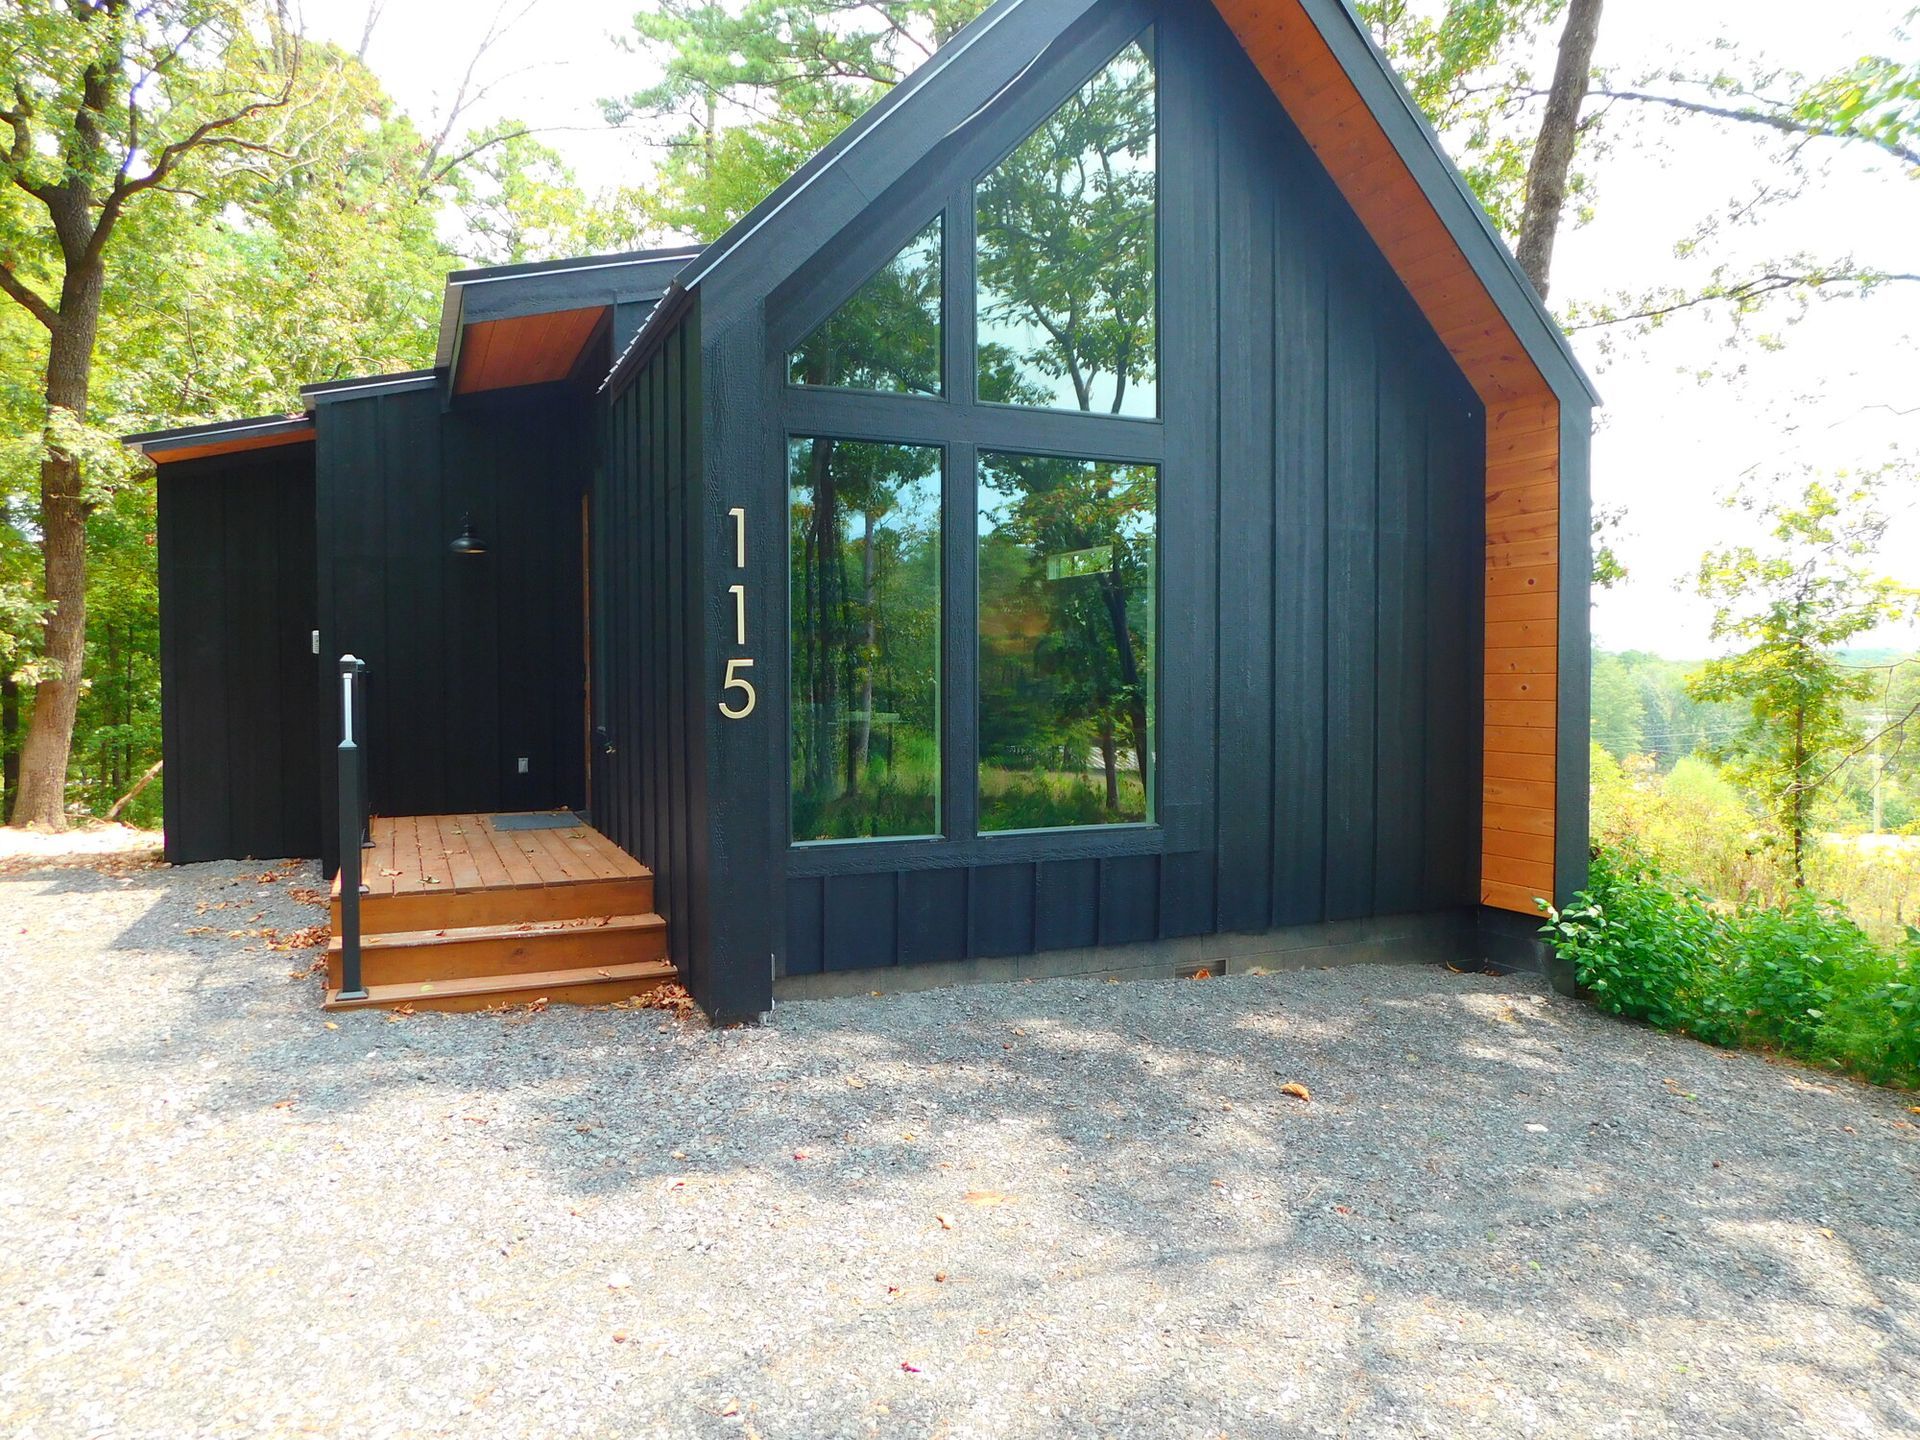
{"points": [[523, 764]]}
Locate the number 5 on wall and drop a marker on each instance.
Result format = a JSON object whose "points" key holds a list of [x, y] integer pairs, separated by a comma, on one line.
{"points": [[736, 681]]}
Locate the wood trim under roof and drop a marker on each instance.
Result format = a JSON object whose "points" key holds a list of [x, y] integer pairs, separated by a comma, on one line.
{"points": [[523, 350], [1523, 436], [164, 449]]}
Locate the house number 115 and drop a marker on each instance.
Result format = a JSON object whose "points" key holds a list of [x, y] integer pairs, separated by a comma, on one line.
{"points": [[735, 683]]}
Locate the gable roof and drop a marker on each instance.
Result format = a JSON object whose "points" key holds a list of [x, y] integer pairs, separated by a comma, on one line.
{"points": [[1334, 83]]}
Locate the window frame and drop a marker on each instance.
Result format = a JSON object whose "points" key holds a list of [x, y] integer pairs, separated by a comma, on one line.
{"points": [[961, 425]]}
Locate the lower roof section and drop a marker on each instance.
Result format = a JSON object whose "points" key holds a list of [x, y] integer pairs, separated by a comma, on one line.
{"points": [[222, 437]]}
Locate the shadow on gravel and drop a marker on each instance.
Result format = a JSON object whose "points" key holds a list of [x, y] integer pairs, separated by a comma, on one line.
{"points": [[1478, 1170]]}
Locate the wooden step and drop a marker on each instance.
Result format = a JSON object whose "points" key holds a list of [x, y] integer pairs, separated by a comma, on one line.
{"points": [[587, 985], [493, 951], [502, 905]]}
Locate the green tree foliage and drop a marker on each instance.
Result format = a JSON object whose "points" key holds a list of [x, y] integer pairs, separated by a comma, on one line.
{"points": [[519, 201], [1617, 707], [1790, 603], [750, 91]]}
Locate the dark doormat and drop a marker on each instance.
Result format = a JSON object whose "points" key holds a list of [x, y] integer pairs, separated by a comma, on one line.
{"points": [[556, 820]]}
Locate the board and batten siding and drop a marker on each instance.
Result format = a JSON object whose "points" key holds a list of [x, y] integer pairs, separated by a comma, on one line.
{"points": [[239, 688], [1322, 543], [1536, 570], [649, 705]]}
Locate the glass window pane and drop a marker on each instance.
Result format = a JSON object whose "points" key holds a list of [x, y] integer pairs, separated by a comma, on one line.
{"points": [[1065, 249], [1067, 651], [887, 336], [865, 536]]}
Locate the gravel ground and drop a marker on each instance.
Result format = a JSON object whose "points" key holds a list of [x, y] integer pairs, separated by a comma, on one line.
{"points": [[1063, 1208]]}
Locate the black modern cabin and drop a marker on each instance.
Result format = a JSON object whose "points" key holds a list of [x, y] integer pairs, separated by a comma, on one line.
{"points": [[1119, 507]]}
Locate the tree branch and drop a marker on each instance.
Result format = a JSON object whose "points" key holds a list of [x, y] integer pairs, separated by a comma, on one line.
{"points": [[1769, 283], [35, 304]]}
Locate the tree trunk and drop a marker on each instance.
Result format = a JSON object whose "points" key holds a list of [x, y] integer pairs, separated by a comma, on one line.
{"points": [[1110, 761], [1553, 148], [63, 519]]}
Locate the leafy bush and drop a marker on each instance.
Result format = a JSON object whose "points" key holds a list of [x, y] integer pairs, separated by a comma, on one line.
{"points": [[1799, 977]]}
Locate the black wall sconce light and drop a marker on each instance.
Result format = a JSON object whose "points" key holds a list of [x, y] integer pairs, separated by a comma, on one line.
{"points": [[466, 542]]}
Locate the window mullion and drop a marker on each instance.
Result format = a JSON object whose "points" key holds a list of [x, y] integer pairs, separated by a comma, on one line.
{"points": [[960, 623]]}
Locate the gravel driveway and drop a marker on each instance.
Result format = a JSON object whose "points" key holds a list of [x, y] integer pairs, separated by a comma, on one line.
{"points": [[1063, 1208]]}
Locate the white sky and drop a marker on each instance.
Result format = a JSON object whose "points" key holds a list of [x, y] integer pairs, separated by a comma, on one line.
{"points": [[1671, 444]]}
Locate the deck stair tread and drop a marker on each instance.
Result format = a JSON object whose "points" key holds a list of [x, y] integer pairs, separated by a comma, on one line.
{"points": [[465, 934], [616, 981]]}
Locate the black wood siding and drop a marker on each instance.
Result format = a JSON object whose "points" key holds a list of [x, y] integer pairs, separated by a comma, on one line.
{"points": [[1321, 532], [476, 661], [238, 695], [648, 792]]}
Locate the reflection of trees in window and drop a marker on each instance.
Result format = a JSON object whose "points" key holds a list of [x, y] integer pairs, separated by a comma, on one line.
{"points": [[1066, 641], [865, 558], [887, 335], [1066, 254]]}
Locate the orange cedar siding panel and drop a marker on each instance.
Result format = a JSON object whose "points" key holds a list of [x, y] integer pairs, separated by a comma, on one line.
{"points": [[1535, 875], [1518, 687], [1519, 740], [1517, 846], [1509, 445], [1544, 580], [1534, 605], [1522, 819], [1523, 552], [1499, 765], [1522, 660], [1521, 714], [1528, 794], [1520, 528], [1540, 498], [1511, 897], [1520, 634]]}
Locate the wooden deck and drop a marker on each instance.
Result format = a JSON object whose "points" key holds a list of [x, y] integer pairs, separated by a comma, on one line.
{"points": [[462, 911]]}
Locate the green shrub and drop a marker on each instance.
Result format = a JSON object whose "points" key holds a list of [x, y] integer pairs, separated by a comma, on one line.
{"points": [[1800, 978]]}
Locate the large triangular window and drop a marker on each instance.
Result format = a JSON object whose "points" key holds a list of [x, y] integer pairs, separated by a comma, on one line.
{"points": [[1066, 252], [887, 335]]}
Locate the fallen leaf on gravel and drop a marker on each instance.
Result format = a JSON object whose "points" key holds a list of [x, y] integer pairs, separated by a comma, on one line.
{"points": [[732, 1407], [1296, 1090], [946, 1221], [986, 1197], [619, 1280], [619, 1337], [909, 1367], [1914, 1109], [939, 1277], [1201, 974], [283, 1104], [333, 1025], [854, 1082]]}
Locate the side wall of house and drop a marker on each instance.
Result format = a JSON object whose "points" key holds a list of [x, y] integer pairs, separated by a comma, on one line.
{"points": [[238, 689], [648, 712], [473, 661]]}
